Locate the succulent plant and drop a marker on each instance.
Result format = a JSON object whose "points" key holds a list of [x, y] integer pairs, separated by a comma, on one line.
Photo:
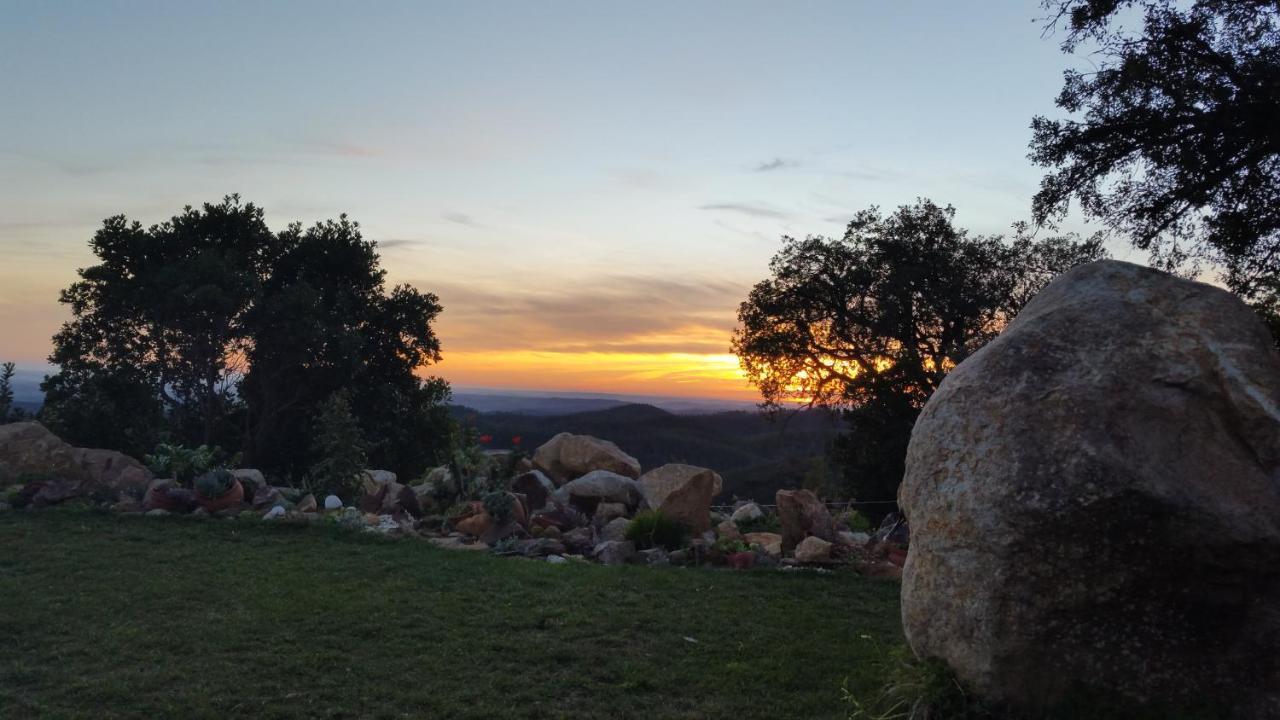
{"points": [[215, 483]]}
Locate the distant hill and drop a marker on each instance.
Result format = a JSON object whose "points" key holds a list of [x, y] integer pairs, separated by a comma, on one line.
{"points": [[755, 456], [532, 402]]}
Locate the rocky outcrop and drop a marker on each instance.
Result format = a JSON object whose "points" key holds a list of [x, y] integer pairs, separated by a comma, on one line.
{"points": [[114, 471], [1094, 500], [28, 450], [567, 456], [682, 492], [802, 514]]}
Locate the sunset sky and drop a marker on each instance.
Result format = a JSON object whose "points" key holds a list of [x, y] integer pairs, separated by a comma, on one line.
{"points": [[590, 187]]}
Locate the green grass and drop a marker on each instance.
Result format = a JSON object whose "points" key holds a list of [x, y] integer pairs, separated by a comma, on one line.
{"points": [[104, 616]]}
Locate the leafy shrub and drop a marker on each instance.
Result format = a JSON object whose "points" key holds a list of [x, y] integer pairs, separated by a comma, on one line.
{"points": [[651, 528], [500, 506], [856, 521], [767, 523], [729, 546], [180, 462], [215, 483]]}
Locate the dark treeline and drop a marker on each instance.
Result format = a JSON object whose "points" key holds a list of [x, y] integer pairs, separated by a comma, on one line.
{"points": [[211, 329]]}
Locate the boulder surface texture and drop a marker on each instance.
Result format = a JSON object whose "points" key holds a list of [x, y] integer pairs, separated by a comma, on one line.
{"points": [[567, 456], [1094, 500], [682, 492]]}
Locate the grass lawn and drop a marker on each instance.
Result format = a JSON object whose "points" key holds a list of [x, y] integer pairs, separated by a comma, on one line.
{"points": [[115, 616]]}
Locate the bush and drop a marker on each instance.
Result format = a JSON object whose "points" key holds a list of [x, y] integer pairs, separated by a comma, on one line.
{"points": [[651, 528], [767, 523], [179, 462], [856, 521], [339, 449]]}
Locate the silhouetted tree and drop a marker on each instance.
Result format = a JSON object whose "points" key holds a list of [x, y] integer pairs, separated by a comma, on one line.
{"points": [[1176, 135], [8, 411], [873, 321], [239, 334]]}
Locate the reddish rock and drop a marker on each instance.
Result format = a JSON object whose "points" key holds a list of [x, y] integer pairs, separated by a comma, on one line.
{"points": [[802, 515]]}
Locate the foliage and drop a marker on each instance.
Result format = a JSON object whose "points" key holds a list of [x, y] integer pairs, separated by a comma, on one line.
{"points": [[767, 523], [1172, 139], [506, 546], [914, 690], [179, 462], [729, 546], [338, 447], [209, 327], [873, 321], [500, 505], [8, 413], [215, 483], [856, 521], [651, 528]]}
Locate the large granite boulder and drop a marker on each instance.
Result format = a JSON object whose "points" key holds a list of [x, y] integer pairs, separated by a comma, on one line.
{"points": [[1094, 500], [801, 515], [29, 451], [567, 456], [535, 486], [682, 492], [114, 471], [596, 487]]}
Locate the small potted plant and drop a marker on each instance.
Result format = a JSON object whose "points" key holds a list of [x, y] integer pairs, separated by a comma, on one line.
{"points": [[218, 490]]}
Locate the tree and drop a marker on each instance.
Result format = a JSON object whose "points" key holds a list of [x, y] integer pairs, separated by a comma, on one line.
{"points": [[235, 336], [1175, 139], [872, 322], [8, 413], [339, 450]]}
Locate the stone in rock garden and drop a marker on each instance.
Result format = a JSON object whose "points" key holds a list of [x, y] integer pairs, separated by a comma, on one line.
{"points": [[771, 543], [127, 505], [157, 512], [551, 532], [813, 549], [1094, 499], [266, 497], [29, 448], [306, 504], [614, 552], [332, 502], [456, 543], [682, 492], [596, 487], [557, 559], [579, 540], [535, 486], [615, 530], [855, 539], [276, 512], [399, 498], [567, 456], [53, 492], [250, 476], [655, 556], [378, 477], [496, 532], [164, 494], [677, 557], [607, 511], [802, 514], [747, 511], [541, 547], [476, 523], [728, 530], [114, 471]]}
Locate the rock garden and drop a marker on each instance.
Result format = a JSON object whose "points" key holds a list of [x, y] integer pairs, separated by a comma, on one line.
{"points": [[576, 498]]}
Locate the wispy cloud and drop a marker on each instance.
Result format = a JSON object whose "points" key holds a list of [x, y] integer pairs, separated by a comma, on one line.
{"points": [[460, 218], [757, 211], [777, 163]]}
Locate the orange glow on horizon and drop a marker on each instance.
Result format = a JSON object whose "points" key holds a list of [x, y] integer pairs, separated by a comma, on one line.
{"points": [[671, 374]]}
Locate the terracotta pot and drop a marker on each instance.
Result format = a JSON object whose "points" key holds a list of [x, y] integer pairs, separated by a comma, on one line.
{"points": [[232, 497]]}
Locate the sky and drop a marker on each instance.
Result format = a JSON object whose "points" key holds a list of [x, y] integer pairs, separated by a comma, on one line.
{"points": [[591, 188]]}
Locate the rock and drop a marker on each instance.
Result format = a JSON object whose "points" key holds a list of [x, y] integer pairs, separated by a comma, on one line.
{"points": [[375, 478], [615, 530], [28, 449], [457, 543], [655, 556], [496, 532], [682, 492], [332, 502], [535, 486], [598, 486], [607, 511], [677, 557], [1094, 500], [306, 504], [164, 494], [812, 550], [578, 540], [157, 512], [566, 457], [551, 532], [557, 559], [266, 497], [749, 511], [474, 520], [541, 547], [855, 538], [250, 476], [399, 498], [276, 512], [127, 505], [118, 473], [771, 543], [727, 530], [614, 552], [52, 492], [802, 515]]}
